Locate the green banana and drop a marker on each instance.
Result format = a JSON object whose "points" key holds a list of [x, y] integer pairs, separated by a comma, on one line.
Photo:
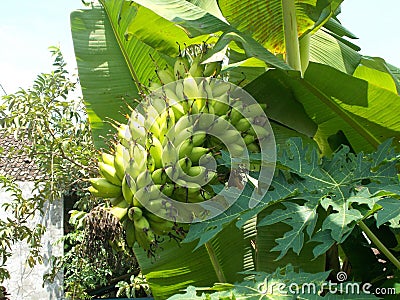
{"points": [[121, 160], [130, 233], [248, 139], [184, 164], [221, 105], [212, 69], [128, 188], [231, 136], [104, 188], [135, 213], [155, 149], [107, 158], [116, 200], [190, 88], [95, 192], [169, 155], [157, 205], [172, 172], [144, 234], [165, 76], [163, 227], [219, 126], [235, 116], [138, 131], [181, 67], [196, 171], [236, 150], [167, 189], [152, 218], [243, 124], [144, 179], [154, 85], [168, 147], [253, 147], [185, 148], [205, 89], [142, 224], [199, 138], [109, 173], [196, 69], [159, 176], [120, 210], [124, 134], [197, 153]]}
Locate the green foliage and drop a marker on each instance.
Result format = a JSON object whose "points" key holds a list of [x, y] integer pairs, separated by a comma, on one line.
{"points": [[284, 283], [55, 127], [59, 143], [86, 269], [340, 185], [310, 16], [178, 265], [97, 92], [317, 198], [134, 288], [14, 229]]}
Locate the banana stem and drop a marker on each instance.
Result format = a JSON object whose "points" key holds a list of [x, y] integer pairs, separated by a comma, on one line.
{"points": [[215, 263], [291, 35], [374, 239], [305, 51]]}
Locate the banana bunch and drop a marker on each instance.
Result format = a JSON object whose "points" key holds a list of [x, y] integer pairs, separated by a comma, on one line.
{"points": [[168, 147]]}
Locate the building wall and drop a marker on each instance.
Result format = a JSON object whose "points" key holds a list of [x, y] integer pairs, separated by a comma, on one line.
{"points": [[27, 283]]}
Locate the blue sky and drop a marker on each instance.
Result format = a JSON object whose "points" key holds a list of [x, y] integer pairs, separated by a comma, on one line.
{"points": [[28, 28]]}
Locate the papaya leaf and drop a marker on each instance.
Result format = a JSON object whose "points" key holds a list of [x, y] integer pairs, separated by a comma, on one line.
{"points": [[390, 212], [205, 231], [340, 185], [300, 218], [283, 283], [324, 240]]}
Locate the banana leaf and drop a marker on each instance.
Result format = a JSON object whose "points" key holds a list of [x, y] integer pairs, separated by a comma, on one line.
{"points": [[175, 267], [264, 19], [113, 67], [335, 102], [197, 22], [104, 75]]}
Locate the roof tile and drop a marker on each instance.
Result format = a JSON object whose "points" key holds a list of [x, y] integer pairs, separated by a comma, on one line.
{"points": [[19, 166]]}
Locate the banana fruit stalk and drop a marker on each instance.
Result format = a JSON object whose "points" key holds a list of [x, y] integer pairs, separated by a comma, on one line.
{"points": [[165, 150]]}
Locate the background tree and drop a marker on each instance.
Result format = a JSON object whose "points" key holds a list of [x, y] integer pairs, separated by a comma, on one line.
{"points": [[299, 61]]}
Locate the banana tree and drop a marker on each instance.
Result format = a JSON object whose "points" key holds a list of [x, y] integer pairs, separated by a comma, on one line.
{"points": [[292, 56]]}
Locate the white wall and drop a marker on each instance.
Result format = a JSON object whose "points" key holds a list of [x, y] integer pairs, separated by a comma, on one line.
{"points": [[26, 283]]}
